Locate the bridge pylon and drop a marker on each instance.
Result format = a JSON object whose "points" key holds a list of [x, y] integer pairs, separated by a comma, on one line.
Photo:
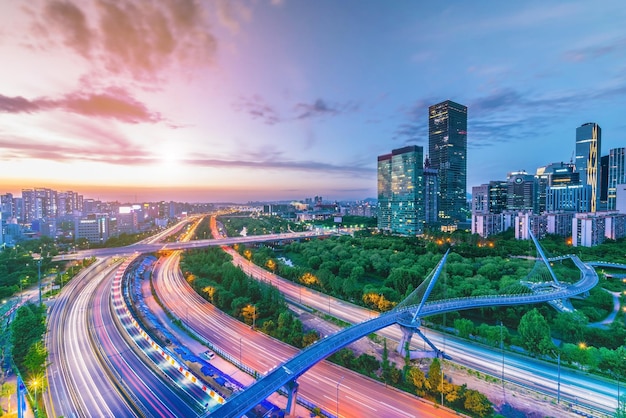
{"points": [[405, 343], [410, 322]]}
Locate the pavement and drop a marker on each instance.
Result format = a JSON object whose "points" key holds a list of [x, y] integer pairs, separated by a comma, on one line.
{"points": [[225, 367]]}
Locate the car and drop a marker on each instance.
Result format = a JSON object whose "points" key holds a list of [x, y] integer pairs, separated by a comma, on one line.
{"points": [[209, 354]]}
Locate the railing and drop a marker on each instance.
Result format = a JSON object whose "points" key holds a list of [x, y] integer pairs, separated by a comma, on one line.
{"points": [[291, 369]]}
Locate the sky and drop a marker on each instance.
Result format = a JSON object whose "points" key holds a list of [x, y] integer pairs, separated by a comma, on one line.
{"points": [[207, 101]]}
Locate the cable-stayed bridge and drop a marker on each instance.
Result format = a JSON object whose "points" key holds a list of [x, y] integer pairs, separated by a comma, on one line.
{"points": [[408, 315]]}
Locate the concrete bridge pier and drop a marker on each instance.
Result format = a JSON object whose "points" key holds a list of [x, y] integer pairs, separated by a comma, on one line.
{"points": [[292, 393], [405, 343]]}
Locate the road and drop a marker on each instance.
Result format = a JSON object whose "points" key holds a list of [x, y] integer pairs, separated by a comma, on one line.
{"points": [[152, 388], [147, 246], [576, 387], [77, 385], [358, 396]]}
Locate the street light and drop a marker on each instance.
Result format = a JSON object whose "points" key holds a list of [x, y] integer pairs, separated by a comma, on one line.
{"points": [[338, 383], [34, 383], [39, 276]]}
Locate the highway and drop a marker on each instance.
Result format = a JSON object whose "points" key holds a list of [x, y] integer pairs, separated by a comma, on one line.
{"points": [[77, 385], [575, 387], [151, 391], [147, 246], [358, 396]]}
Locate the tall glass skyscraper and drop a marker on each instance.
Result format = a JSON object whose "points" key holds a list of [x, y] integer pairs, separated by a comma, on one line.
{"points": [[447, 147], [588, 147], [617, 174], [401, 191]]}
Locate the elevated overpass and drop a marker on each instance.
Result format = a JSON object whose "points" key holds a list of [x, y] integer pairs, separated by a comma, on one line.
{"points": [[187, 245]]}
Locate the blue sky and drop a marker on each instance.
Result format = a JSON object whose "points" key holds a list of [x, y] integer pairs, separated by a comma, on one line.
{"points": [[230, 100]]}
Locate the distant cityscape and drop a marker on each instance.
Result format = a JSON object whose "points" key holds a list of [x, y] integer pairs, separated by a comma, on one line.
{"points": [[70, 217], [582, 200]]}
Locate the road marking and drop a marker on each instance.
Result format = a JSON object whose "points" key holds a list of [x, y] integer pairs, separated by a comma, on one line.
{"points": [[397, 410], [361, 403]]}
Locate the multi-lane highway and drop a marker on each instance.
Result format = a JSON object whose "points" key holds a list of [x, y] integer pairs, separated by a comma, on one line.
{"points": [[77, 384], [576, 388], [358, 396]]}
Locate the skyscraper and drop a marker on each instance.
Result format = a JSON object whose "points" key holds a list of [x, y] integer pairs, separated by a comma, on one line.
{"points": [[617, 174], [431, 194], [447, 148], [401, 191], [588, 147]]}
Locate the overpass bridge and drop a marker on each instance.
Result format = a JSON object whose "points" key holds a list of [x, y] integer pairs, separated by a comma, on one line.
{"points": [[409, 319]]}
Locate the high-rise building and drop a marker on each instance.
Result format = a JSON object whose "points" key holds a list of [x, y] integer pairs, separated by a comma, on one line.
{"points": [[498, 194], [401, 191], [604, 183], [521, 191], [447, 148], [384, 192], [616, 174], [588, 148], [431, 194]]}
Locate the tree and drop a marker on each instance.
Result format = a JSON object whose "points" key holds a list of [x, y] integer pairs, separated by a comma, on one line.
{"points": [[535, 333], [6, 390], [477, 403], [36, 359], [417, 379], [464, 326], [434, 376]]}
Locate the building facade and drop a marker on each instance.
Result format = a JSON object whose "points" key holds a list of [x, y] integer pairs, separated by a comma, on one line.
{"points": [[588, 148], [401, 191], [521, 192], [447, 148], [431, 194], [616, 175]]}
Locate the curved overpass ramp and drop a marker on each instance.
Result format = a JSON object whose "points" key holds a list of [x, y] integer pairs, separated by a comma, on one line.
{"points": [[238, 405]]}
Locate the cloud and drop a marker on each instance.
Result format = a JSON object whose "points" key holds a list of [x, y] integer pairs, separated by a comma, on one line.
{"points": [[596, 51], [258, 108], [17, 105], [140, 38], [357, 170], [71, 22], [111, 104], [321, 108]]}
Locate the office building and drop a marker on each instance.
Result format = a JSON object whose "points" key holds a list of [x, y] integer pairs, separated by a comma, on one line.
{"points": [[604, 183], [480, 199], [568, 198], [616, 175], [447, 148], [384, 192], [401, 191], [498, 195], [94, 228], [588, 148], [431, 194], [521, 191]]}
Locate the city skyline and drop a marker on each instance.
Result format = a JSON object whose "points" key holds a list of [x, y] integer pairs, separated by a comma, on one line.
{"points": [[240, 101]]}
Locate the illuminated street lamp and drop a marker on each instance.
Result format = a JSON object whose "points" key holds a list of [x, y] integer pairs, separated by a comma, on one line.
{"points": [[34, 384]]}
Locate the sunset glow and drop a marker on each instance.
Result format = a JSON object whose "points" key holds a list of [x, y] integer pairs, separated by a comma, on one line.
{"points": [[246, 100]]}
